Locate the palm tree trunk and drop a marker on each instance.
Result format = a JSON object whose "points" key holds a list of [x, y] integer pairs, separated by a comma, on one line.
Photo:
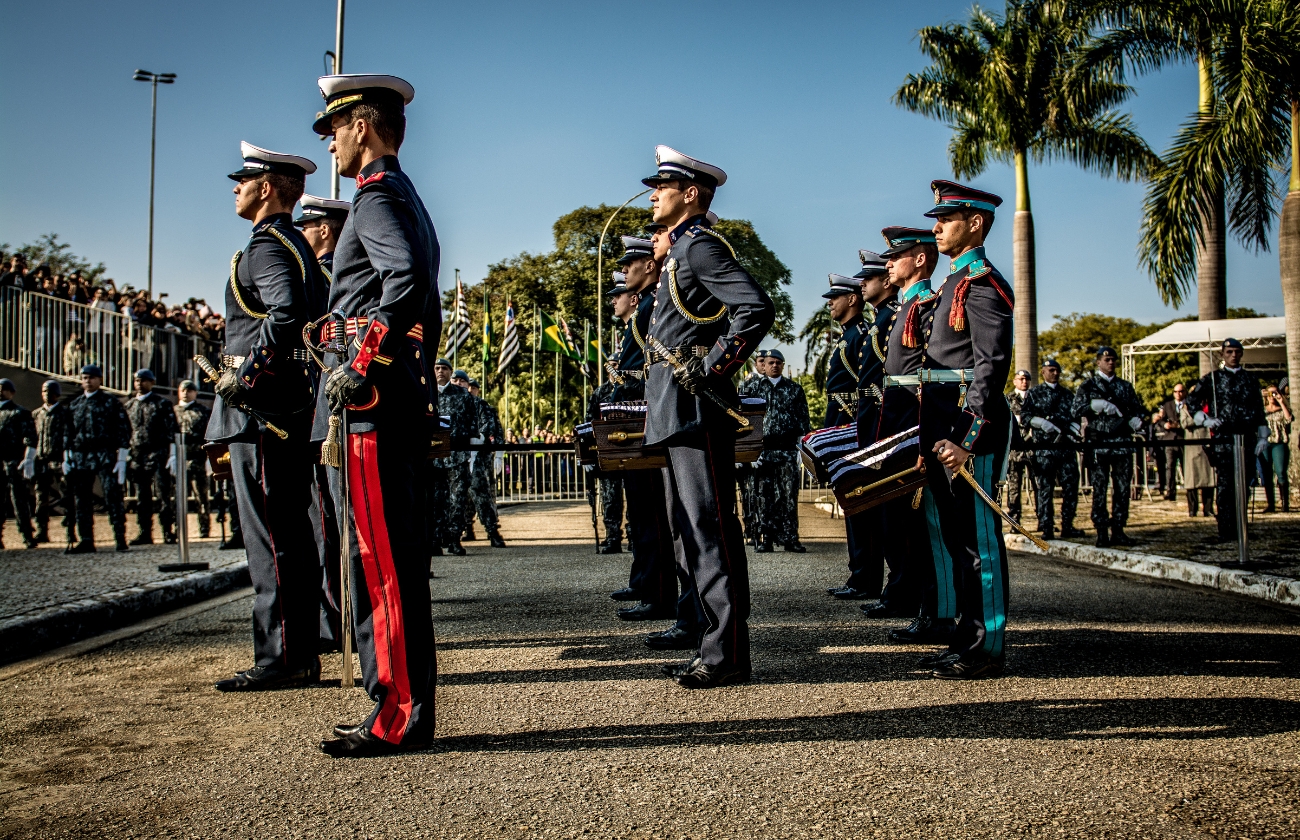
{"points": [[1026, 318], [1288, 248], [1211, 251]]}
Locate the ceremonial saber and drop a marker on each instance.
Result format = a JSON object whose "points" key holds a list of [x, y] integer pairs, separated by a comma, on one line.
{"points": [[213, 376], [965, 473], [345, 566], [676, 361]]}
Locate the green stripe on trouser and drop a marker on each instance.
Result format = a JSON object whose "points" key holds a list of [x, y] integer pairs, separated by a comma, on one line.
{"points": [[993, 558], [945, 589]]}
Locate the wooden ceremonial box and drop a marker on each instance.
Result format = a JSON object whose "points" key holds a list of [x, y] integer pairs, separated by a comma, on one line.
{"points": [[584, 445], [878, 473], [219, 457], [749, 443], [620, 439], [440, 443]]}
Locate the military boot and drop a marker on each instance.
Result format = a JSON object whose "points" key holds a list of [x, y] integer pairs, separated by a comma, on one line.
{"points": [[205, 525], [611, 545], [455, 547], [494, 536], [169, 535], [120, 534], [1103, 537], [145, 536], [469, 533], [43, 534]]}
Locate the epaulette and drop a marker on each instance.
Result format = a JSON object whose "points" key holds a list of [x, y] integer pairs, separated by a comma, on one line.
{"points": [[370, 179], [978, 268]]}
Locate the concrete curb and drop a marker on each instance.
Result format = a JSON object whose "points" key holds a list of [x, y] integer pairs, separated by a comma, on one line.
{"points": [[26, 635], [1271, 588]]}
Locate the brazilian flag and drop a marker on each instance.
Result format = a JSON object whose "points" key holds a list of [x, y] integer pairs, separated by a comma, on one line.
{"points": [[553, 338]]}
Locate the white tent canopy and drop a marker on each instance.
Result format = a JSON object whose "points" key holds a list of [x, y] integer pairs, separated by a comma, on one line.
{"points": [[1263, 338]]}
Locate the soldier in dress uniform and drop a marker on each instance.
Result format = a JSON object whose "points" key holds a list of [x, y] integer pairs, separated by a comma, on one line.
{"points": [[1045, 412], [18, 443], [387, 313], [51, 419], [450, 483], [965, 420], [920, 568], [1112, 412], [1228, 402], [750, 503], [192, 421], [482, 487], [777, 468], [275, 288], [610, 486], [1019, 457], [95, 446], [152, 463], [321, 222], [711, 314]]}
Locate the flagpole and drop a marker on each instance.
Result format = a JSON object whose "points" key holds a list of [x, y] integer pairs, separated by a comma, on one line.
{"points": [[455, 347], [556, 423], [486, 330], [537, 325], [600, 254]]}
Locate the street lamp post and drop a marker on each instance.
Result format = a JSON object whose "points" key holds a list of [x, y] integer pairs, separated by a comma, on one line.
{"points": [[600, 253], [154, 80], [338, 69]]}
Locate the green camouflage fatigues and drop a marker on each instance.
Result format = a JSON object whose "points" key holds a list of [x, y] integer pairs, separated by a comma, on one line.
{"points": [[98, 428], [192, 420], [1051, 468], [1113, 467], [51, 429], [449, 488], [481, 490], [153, 431], [1018, 459], [777, 470]]}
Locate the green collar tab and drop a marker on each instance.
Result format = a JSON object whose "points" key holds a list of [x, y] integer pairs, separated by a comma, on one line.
{"points": [[920, 289], [971, 256]]}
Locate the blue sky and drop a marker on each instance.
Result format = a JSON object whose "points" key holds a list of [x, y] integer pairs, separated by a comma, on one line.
{"points": [[524, 111]]}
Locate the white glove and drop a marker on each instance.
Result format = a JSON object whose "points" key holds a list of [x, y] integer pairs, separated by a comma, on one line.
{"points": [[120, 468], [1104, 407], [1212, 423], [29, 463], [1135, 423], [207, 466], [1043, 424], [67, 463], [171, 460]]}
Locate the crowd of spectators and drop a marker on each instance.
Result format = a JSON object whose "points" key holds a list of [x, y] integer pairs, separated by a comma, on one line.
{"points": [[193, 317]]}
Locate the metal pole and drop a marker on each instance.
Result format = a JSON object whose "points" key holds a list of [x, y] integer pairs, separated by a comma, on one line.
{"points": [[556, 427], [600, 255], [153, 146], [1239, 488], [182, 491], [338, 68], [533, 407], [344, 513]]}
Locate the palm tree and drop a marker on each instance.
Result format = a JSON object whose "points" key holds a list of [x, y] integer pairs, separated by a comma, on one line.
{"points": [[1012, 91], [1150, 34], [820, 335]]}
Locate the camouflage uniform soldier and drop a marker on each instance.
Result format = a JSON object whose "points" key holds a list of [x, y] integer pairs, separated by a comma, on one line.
{"points": [[482, 493], [97, 440], [1018, 460], [610, 486], [192, 421], [153, 458], [752, 386], [51, 421], [449, 486], [785, 423], [1114, 413], [1045, 413], [17, 460]]}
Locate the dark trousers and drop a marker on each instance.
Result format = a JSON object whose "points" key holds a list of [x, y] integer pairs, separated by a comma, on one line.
{"points": [[14, 488], [1016, 471], [1051, 472], [972, 533], [1160, 454], [325, 528], [1225, 489], [1113, 469], [1173, 457], [611, 507], [483, 492], [699, 487], [81, 493], [196, 475], [50, 493], [864, 534], [390, 580], [153, 494], [272, 482], [1206, 498], [448, 498], [654, 562]]}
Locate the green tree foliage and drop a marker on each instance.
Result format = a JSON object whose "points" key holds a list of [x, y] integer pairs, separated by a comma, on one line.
{"points": [[563, 281], [57, 255], [816, 393]]}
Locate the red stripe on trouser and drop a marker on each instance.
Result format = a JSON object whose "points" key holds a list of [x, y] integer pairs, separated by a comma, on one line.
{"points": [[381, 582]]}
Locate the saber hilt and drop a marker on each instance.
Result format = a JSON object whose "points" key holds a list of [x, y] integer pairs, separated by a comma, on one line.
{"points": [[213, 376], [676, 361]]}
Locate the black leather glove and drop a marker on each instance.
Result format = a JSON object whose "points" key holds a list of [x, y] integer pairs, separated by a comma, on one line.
{"points": [[341, 389], [691, 375], [231, 388]]}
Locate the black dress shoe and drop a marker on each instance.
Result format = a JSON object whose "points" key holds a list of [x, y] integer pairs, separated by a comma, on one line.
{"points": [[943, 657], [144, 538], [680, 669], [344, 730], [359, 743], [674, 638], [260, 678], [884, 609], [962, 669], [612, 548], [923, 631], [835, 590], [627, 594], [233, 542], [646, 612], [794, 546], [456, 548], [121, 544], [83, 547], [1070, 533], [848, 593], [713, 676]]}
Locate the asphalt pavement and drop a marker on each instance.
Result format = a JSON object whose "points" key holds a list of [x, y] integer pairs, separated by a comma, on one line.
{"points": [[1130, 709]]}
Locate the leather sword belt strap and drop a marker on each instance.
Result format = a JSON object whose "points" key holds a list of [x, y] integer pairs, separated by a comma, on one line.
{"points": [[871, 392], [352, 327], [681, 350], [925, 376], [232, 362]]}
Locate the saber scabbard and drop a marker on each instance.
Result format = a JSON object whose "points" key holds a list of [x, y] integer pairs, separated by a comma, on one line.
{"points": [[965, 473]]}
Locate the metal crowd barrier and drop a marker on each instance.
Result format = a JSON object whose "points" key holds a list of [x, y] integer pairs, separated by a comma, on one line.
{"points": [[537, 473], [36, 331]]}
